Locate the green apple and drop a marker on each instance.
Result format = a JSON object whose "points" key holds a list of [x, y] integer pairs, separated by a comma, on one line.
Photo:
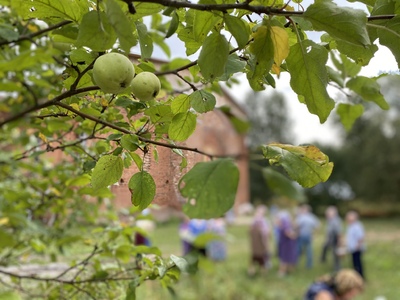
{"points": [[113, 72], [145, 86]]}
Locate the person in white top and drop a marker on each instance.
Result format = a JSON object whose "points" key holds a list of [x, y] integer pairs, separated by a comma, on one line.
{"points": [[355, 243]]}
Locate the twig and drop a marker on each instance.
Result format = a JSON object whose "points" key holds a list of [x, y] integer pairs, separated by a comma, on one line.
{"points": [[193, 87], [145, 140], [83, 262], [37, 33]]}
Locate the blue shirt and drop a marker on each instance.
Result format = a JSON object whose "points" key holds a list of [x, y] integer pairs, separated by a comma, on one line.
{"points": [[355, 237], [306, 224]]}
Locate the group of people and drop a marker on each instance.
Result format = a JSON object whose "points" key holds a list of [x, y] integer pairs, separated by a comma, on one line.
{"points": [[294, 236], [191, 229]]}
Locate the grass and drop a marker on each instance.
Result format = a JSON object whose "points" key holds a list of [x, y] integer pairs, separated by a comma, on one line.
{"points": [[229, 280]]}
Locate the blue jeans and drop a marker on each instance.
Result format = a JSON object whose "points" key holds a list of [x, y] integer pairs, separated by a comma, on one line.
{"points": [[304, 244]]}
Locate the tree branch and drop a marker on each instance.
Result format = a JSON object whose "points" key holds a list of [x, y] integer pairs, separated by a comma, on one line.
{"points": [[257, 9], [37, 33], [145, 140], [51, 102], [84, 262]]}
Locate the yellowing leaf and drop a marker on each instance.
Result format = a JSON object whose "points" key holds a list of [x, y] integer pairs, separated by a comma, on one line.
{"points": [[43, 137], [32, 27], [305, 164], [280, 40], [104, 102], [75, 106], [275, 69], [3, 221]]}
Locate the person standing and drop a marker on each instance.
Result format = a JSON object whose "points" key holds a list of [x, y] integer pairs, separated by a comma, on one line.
{"points": [[355, 240], [333, 235], [216, 249], [260, 232], [287, 245], [306, 222]]}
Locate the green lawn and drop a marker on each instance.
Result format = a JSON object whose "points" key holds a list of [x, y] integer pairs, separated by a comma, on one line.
{"points": [[228, 280]]}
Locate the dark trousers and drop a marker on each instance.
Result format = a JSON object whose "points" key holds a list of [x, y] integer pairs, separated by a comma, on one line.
{"points": [[331, 245], [357, 262]]}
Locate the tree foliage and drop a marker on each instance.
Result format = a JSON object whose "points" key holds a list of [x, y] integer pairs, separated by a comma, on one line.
{"points": [[366, 164], [49, 102]]}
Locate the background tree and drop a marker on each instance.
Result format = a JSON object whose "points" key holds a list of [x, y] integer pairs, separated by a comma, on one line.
{"points": [[367, 162], [50, 101], [268, 118], [269, 122]]}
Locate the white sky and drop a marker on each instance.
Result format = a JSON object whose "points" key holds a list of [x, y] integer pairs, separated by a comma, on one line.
{"points": [[307, 128]]}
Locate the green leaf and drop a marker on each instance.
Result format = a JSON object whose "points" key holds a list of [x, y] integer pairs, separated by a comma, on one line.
{"points": [[281, 185], [367, 2], [389, 36], [239, 29], [210, 188], [203, 239], [180, 262], [121, 24], [145, 40], [96, 32], [107, 171], [159, 113], [368, 89], [137, 159], [335, 76], [234, 65], [343, 23], [202, 101], [146, 9], [213, 56], [348, 67], [180, 104], [306, 63], [10, 296], [186, 35], [131, 292], [360, 54], [80, 55], [142, 188], [349, 113], [8, 33], [203, 22], [305, 164], [130, 142], [45, 9], [182, 126], [26, 59], [6, 239], [262, 48], [79, 181], [173, 26]]}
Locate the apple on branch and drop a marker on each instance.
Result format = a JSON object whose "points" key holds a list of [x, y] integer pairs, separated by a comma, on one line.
{"points": [[113, 72], [145, 86]]}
